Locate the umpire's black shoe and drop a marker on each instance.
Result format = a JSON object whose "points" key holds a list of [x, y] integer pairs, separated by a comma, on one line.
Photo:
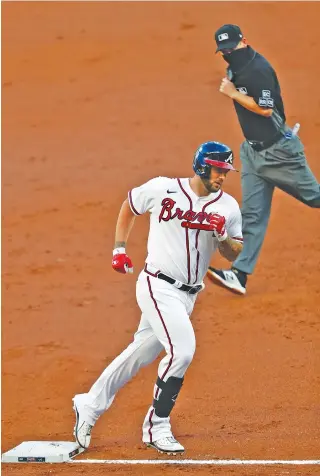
{"points": [[232, 279]]}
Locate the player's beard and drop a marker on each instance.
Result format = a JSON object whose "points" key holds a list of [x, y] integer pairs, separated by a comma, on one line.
{"points": [[210, 187]]}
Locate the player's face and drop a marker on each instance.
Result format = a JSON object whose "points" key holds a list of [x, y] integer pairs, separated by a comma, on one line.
{"points": [[215, 181]]}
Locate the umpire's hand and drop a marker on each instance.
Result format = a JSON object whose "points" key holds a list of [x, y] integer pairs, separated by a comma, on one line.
{"points": [[227, 88]]}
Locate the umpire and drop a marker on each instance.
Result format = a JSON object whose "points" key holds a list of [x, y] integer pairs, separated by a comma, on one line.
{"points": [[272, 155]]}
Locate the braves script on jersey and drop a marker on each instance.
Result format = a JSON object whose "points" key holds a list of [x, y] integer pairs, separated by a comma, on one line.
{"points": [[178, 243]]}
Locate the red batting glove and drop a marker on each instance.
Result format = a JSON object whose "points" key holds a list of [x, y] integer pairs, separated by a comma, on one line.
{"points": [[121, 262], [218, 224]]}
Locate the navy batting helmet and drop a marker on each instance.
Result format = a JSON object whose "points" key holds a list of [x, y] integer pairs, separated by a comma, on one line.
{"points": [[212, 154]]}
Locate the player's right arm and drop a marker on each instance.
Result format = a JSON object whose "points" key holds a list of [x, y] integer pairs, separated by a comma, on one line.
{"points": [[121, 262], [139, 201], [124, 225]]}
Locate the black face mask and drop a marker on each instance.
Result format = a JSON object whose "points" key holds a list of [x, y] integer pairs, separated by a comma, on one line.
{"points": [[239, 58]]}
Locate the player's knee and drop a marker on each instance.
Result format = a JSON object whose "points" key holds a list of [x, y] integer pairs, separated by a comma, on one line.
{"points": [[166, 400], [184, 357]]}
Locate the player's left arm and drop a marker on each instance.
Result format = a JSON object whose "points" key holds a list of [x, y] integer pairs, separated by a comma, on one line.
{"points": [[230, 248], [228, 232]]}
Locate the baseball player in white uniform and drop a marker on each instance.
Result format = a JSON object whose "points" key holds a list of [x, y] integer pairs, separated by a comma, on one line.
{"points": [[189, 219]]}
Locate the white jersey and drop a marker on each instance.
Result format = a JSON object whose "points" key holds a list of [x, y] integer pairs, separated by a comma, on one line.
{"points": [[177, 246]]}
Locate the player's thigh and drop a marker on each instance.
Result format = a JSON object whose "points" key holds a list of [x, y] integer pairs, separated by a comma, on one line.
{"points": [[167, 310], [146, 340]]}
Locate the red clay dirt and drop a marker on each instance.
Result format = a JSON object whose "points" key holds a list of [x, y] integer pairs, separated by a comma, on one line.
{"points": [[97, 98]]}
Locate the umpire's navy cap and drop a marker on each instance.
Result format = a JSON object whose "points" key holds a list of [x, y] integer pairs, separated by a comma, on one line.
{"points": [[227, 37]]}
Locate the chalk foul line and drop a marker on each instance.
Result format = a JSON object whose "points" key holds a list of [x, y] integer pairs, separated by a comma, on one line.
{"points": [[213, 462]]}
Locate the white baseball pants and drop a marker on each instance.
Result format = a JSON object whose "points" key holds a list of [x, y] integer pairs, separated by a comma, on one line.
{"points": [[165, 324]]}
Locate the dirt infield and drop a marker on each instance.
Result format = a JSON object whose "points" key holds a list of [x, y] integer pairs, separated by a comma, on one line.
{"points": [[98, 98]]}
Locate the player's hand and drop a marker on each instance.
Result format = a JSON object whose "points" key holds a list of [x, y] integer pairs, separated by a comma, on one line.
{"points": [[227, 88], [121, 262], [218, 226]]}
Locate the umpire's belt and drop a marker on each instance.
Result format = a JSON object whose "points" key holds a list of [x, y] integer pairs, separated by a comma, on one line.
{"points": [[258, 146], [177, 284]]}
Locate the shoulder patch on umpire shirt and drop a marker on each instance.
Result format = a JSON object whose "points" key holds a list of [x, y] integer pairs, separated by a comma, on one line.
{"points": [[266, 102]]}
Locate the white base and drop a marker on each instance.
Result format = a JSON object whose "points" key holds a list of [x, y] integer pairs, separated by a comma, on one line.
{"points": [[42, 452]]}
